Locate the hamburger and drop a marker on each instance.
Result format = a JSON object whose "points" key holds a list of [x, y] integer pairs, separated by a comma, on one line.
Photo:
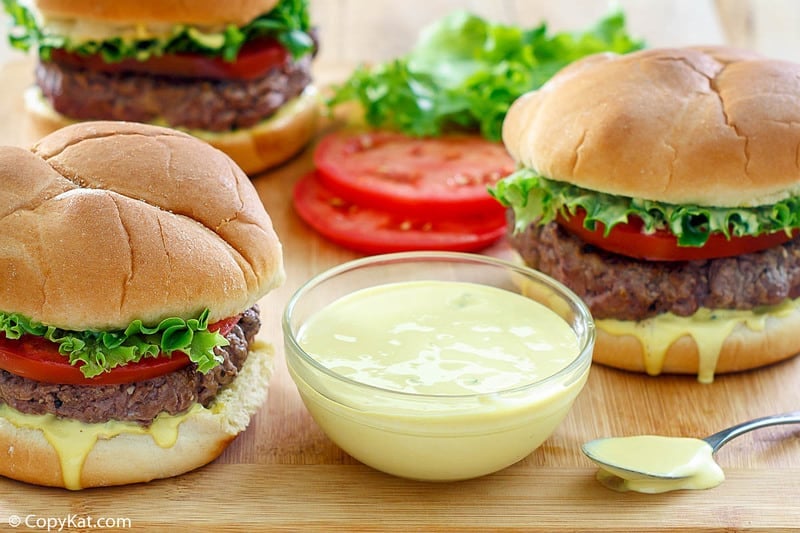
{"points": [[133, 260], [237, 75], [663, 187]]}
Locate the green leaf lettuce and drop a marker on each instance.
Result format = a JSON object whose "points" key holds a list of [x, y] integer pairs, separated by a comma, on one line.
{"points": [[537, 200], [464, 72], [96, 352]]}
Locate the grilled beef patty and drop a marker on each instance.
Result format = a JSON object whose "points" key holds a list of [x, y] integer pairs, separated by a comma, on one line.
{"points": [[205, 104], [141, 401], [616, 286]]}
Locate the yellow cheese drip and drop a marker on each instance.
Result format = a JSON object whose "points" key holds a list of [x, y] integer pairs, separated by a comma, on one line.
{"points": [[73, 440], [708, 327]]}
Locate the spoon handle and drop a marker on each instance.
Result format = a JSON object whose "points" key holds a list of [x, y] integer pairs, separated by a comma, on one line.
{"points": [[718, 439]]}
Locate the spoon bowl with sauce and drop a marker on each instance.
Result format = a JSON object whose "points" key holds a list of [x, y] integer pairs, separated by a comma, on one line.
{"points": [[654, 464]]}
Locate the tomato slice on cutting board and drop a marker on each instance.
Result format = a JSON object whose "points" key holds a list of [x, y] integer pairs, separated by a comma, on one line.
{"points": [[373, 231], [38, 359], [628, 239], [426, 177]]}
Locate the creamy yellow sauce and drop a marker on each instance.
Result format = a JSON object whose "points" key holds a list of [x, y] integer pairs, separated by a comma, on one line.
{"points": [[459, 344], [708, 328], [440, 338], [683, 463], [73, 440]]}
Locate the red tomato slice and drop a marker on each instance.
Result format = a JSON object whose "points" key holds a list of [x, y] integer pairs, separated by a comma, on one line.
{"points": [[427, 177], [373, 231], [254, 61], [628, 239], [225, 325], [38, 359]]}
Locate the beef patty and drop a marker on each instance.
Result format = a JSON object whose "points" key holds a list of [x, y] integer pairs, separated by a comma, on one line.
{"points": [[206, 104], [141, 401], [615, 286]]}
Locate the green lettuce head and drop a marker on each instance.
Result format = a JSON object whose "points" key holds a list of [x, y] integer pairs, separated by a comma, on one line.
{"points": [[464, 72]]}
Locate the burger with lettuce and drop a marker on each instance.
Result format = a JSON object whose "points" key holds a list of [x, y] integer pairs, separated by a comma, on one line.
{"points": [[234, 74], [128, 307], [663, 187]]}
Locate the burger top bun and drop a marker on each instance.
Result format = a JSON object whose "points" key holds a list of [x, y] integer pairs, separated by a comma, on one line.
{"points": [[107, 222], [199, 12], [706, 125]]}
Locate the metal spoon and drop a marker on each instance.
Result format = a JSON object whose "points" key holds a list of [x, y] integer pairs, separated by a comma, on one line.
{"points": [[716, 441]]}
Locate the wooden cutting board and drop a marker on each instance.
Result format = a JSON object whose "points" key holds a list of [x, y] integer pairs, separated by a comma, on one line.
{"points": [[283, 473]]}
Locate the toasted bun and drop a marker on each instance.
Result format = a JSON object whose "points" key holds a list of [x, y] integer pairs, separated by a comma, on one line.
{"points": [[743, 349], [202, 12], [107, 222], [712, 126], [265, 145], [27, 455]]}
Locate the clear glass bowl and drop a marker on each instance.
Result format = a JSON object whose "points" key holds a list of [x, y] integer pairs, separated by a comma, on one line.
{"points": [[429, 436]]}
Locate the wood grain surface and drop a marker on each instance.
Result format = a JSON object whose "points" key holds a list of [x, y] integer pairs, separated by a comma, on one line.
{"points": [[284, 474]]}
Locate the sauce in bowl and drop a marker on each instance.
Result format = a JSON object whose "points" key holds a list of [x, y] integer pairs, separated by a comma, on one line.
{"points": [[438, 379], [440, 338]]}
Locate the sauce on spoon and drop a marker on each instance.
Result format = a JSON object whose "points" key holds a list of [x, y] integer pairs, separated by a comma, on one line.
{"points": [[654, 464]]}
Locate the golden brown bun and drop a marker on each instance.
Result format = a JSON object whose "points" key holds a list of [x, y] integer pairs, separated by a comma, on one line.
{"points": [[203, 12], [743, 349], [712, 126], [107, 222], [132, 458], [267, 144]]}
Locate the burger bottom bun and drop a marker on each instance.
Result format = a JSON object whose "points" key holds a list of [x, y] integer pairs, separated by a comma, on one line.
{"points": [[26, 455], [265, 145], [743, 349]]}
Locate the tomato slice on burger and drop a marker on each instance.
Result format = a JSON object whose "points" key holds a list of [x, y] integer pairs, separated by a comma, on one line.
{"points": [[374, 231], [254, 61], [426, 177], [628, 239], [38, 359]]}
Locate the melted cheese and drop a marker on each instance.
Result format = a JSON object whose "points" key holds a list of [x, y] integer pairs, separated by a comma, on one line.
{"points": [[88, 30], [73, 440], [708, 327]]}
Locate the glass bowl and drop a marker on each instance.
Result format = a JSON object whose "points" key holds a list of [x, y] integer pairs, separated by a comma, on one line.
{"points": [[435, 436]]}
